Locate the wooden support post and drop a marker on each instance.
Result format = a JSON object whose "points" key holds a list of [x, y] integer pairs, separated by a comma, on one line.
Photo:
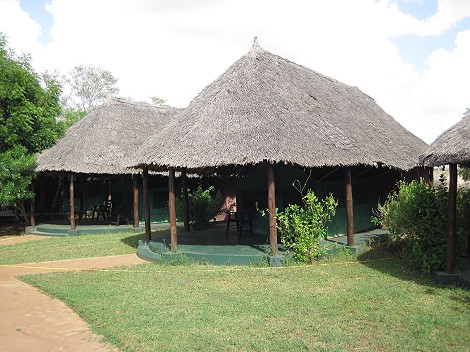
{"points": [[110, 190], [272, 209], [82, 192], [172, 206], [33, 201], [184, 179], [41, 196], [72, 204], [349, 208], [145, 176], [62, 196], [429, 176], [450, 250], [56, 195], [135, 187]]}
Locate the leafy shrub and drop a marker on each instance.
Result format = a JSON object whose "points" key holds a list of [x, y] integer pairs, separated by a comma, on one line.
{"points": [[204, 204], [417, 217], [463, 220], [301, 227], [16, 174], [464, 172]]}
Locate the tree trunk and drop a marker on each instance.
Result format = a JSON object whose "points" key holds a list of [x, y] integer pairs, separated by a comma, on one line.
{"points": [[22, 210]]}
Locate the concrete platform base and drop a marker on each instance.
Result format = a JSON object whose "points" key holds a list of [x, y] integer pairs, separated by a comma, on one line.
{"points": [[213, 246], [98, 228], [444, 278], [459, 277], [355, 249], [214, 254], [276, 261]]}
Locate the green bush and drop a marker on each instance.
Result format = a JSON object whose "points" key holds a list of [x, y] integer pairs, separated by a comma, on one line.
{"points": [[204, 204], [463, 220], [464, 172], [302, 227], [417, 217]]}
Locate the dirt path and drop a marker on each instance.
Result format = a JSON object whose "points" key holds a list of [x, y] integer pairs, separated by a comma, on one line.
{"points": [[31, 320], [5, 241]]}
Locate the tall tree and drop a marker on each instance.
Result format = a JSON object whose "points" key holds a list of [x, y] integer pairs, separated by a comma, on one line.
{"points": [[157, 101], [86, 87], [29, 105]]}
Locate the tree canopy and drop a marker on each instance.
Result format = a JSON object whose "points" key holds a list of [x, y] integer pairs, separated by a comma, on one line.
{"points": [[157, 101], [88, 86], [29, 105]]}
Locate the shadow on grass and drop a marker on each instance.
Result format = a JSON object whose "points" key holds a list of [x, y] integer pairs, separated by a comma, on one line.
{"points": [[133, 240], [394, 264]]}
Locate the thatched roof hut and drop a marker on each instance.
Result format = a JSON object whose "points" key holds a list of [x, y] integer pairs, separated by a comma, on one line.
{"points": [[267, 108], [105, 140], [451, 147]]}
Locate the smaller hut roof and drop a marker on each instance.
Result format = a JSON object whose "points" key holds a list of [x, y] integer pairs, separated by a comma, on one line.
{"points": [[451, 147], [104, 141]]}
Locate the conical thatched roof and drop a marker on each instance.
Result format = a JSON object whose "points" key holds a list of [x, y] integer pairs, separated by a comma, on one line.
{"points": [[106, 139], [451, 147], [266, 108]]}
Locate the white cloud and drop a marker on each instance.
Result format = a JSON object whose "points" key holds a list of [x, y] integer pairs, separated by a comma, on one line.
{"points": [[22, 31], [449, 13], [441, 95], [172, 49]]}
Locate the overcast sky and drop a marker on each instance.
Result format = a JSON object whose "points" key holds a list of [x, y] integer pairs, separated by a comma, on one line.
{"points": [[411, 56]]}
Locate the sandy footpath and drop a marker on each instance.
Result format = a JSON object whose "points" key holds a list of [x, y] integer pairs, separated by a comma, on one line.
{"points": [[5, 241], [32, 321]]}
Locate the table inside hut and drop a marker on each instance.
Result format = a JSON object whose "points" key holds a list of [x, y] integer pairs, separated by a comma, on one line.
{"points": [[240, 217]]}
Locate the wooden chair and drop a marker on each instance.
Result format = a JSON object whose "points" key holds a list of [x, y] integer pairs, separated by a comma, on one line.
{"points": [[232, 216], [121, 214], [240, 218], [104, 209]]}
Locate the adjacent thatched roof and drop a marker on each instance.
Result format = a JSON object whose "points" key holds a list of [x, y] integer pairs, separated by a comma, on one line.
{"points": [[266, 108], [451, 147], [105, 140]]}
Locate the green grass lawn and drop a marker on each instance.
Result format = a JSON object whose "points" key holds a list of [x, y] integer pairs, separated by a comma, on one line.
{"points": [[69, 247], [376, 305]]}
